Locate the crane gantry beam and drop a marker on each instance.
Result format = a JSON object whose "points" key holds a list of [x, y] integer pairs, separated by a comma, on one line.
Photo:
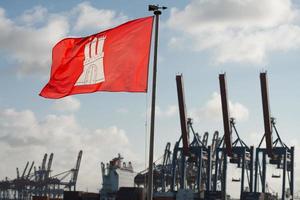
{"points": [[226, 115], [182, 114], [266, 112]]}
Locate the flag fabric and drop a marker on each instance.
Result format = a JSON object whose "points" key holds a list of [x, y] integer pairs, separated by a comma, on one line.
{"points": [[115, 60]]}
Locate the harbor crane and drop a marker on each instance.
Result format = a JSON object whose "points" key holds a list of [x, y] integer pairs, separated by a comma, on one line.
{"points": [[276, 152]]}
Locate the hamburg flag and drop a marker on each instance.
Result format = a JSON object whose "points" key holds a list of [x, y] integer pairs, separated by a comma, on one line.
{"points": [[115, 60]]}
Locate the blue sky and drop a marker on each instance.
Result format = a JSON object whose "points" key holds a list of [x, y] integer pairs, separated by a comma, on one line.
{"points": [[198, 38]]}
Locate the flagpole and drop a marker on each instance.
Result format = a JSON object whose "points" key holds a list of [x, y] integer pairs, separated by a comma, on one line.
{"points": [[157, 11]]}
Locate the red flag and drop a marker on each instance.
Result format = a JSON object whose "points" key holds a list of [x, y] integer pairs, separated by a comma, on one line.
{"points": [[115, 60]]}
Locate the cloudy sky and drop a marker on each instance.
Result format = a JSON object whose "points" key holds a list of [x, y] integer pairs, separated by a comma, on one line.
{"points": [[199, 38]]}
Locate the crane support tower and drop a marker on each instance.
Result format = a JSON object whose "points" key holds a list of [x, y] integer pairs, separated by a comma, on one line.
{"points": [[38, 181], [275, 152], [188, 173], [238, 152]]}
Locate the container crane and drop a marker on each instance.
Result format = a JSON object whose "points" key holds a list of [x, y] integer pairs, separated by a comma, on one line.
{"points": [[276, 151], [239, 153]]}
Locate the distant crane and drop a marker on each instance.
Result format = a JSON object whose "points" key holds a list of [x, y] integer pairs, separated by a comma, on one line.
{"points": [[190, 167], [238, 151], [39, 181], [278, 152]]}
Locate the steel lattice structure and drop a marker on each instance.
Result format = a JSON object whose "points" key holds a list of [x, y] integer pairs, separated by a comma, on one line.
{"points": [[39, 181]]}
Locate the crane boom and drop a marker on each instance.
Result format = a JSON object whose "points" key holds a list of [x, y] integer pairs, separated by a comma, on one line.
{"points": [[30, 170], [205, 138], [182, 114], [167, 154], [49, 165], [18, 173], [76, 170], [266, 112], [23, 174], [226, 116], [44, 161], [215, 142]]}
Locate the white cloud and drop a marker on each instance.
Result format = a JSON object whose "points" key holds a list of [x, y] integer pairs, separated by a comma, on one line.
{"points": [[170, 111], [213, 110], [29, 47], [91, 18], [25, 138], [254, 137], [238, 31], [66, 104], [35, 15], [239, 111], [27, 40], [177, 42]]}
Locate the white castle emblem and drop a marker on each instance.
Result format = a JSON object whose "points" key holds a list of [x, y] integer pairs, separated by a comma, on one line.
{"points": [[93, 63]]}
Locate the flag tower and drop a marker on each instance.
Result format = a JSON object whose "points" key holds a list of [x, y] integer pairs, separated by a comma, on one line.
{"points": [[157, 12]]}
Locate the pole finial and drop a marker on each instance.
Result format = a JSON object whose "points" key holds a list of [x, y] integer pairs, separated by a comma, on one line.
{"points": [[156, 9]]}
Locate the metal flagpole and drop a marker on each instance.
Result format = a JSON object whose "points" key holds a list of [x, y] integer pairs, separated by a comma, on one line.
{"points": [[157, 11]]}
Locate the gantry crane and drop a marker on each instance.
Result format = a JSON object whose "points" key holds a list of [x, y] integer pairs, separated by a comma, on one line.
{"points": [[40, 182], [275, 151], [187, 171], [238, 152]]}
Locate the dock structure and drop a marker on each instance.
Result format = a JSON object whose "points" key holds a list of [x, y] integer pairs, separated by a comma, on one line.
{"points": [[198, 170], [39, 181], [237, 152], [194, 169], [275, 153]]}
